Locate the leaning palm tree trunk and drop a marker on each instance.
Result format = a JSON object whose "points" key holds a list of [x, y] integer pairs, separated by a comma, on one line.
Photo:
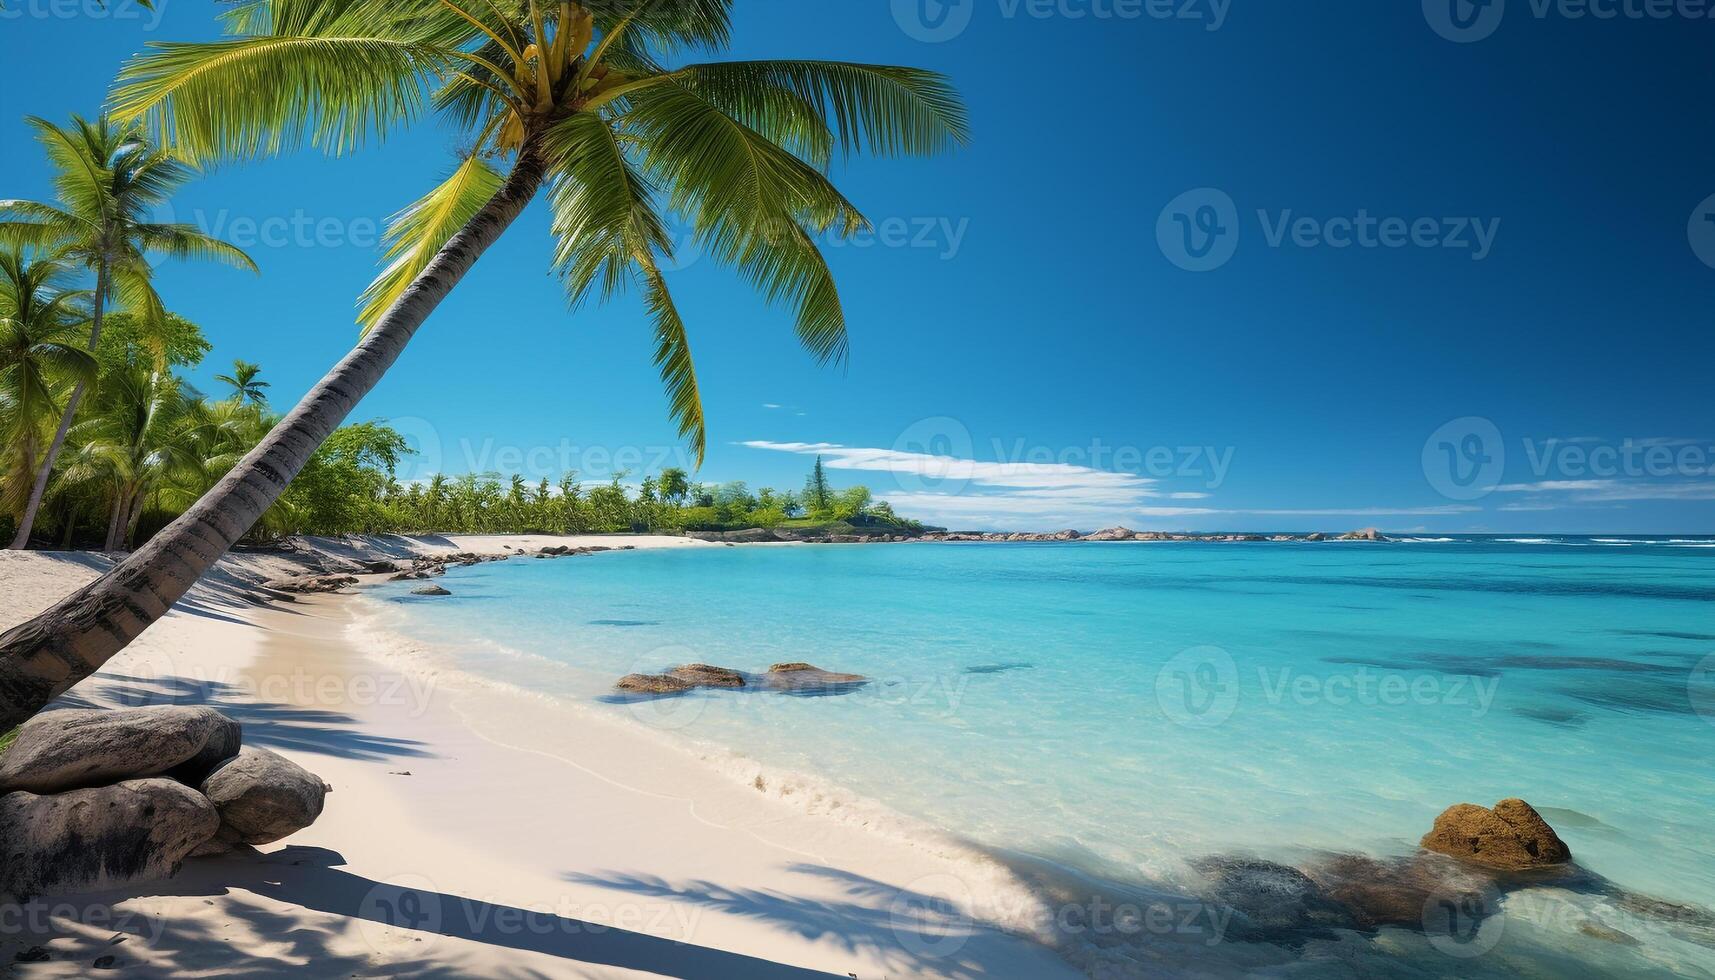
{"points": [[44, 657], [40, 487]]}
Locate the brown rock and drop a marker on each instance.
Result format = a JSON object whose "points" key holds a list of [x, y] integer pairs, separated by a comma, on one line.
{"points": [[1510, 837], [803, 678], [653, 684], [703, 675]]}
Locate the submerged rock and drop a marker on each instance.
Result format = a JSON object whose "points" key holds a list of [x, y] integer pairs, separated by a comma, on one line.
{"points": [[803, 678], [262, 796], [653, 684], [1510, 837], [431, 590], [1402, 891], [1596, 930], [73, 748], [703, 675], [1275, 901], [137, 830]]}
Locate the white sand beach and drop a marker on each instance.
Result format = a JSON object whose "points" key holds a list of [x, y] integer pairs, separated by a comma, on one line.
{"points": [[480, 831]]}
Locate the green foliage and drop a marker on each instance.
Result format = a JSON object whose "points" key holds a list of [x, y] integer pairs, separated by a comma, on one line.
{"points": [[818, 496], [7, 739], [172, 342], [42, 355]]}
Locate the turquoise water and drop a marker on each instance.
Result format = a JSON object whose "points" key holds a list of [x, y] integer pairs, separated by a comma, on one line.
{"points": [[1123, 710]]}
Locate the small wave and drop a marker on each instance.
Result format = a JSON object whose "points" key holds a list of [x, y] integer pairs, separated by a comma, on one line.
{"points": [[1426, 540]]}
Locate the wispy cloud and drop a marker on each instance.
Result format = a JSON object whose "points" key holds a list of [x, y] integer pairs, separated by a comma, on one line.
{"points": [[1440, 510], [1600, 491], [969, 493], [950, 469]]}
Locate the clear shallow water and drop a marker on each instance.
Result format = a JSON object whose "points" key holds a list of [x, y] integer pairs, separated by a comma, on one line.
{"points": [[1124, 709]]}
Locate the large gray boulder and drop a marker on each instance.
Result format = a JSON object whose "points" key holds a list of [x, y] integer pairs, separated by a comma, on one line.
{"points": [[262, 797], [76, 748], [137, 830]]}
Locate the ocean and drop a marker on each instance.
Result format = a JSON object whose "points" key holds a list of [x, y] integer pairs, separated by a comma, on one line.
{"points": [[1120, 718]]}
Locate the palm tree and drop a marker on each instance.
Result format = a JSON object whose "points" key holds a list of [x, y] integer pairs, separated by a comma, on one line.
{"points": [[40, 354], [581, 102], [245, 387], [142, 439], [109, 180]]}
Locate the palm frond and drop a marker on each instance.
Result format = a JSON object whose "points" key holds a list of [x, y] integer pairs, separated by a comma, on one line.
{"points": [[880, 109], [254, 96], [673, 357], [750, 203], [604, 213], [416, 233], [182, 241]]}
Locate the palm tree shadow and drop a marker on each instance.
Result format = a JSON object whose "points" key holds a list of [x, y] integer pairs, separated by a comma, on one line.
{"points": [[920, 932], [269, 724], [313, 879]]}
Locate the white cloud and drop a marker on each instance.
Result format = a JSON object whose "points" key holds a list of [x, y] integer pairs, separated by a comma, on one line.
{"points": [[925, 466], [1552, 486], [771, 406], [1599, 491], [972, 493]]}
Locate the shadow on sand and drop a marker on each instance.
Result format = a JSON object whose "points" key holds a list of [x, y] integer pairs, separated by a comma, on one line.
{"points": [[311, 880]]}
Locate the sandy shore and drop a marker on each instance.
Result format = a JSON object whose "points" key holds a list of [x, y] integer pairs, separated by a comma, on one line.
{"points": [[480, 831]]}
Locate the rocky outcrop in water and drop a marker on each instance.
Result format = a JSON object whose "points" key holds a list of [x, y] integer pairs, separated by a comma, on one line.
{"points": [[431, 590], [1510, 837], [803, 678], [784, 678], [652, 684], [1274, 900], [703, 675]]}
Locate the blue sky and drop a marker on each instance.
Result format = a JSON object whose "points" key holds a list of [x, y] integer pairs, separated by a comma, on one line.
{"points": [[1208, 264]]}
